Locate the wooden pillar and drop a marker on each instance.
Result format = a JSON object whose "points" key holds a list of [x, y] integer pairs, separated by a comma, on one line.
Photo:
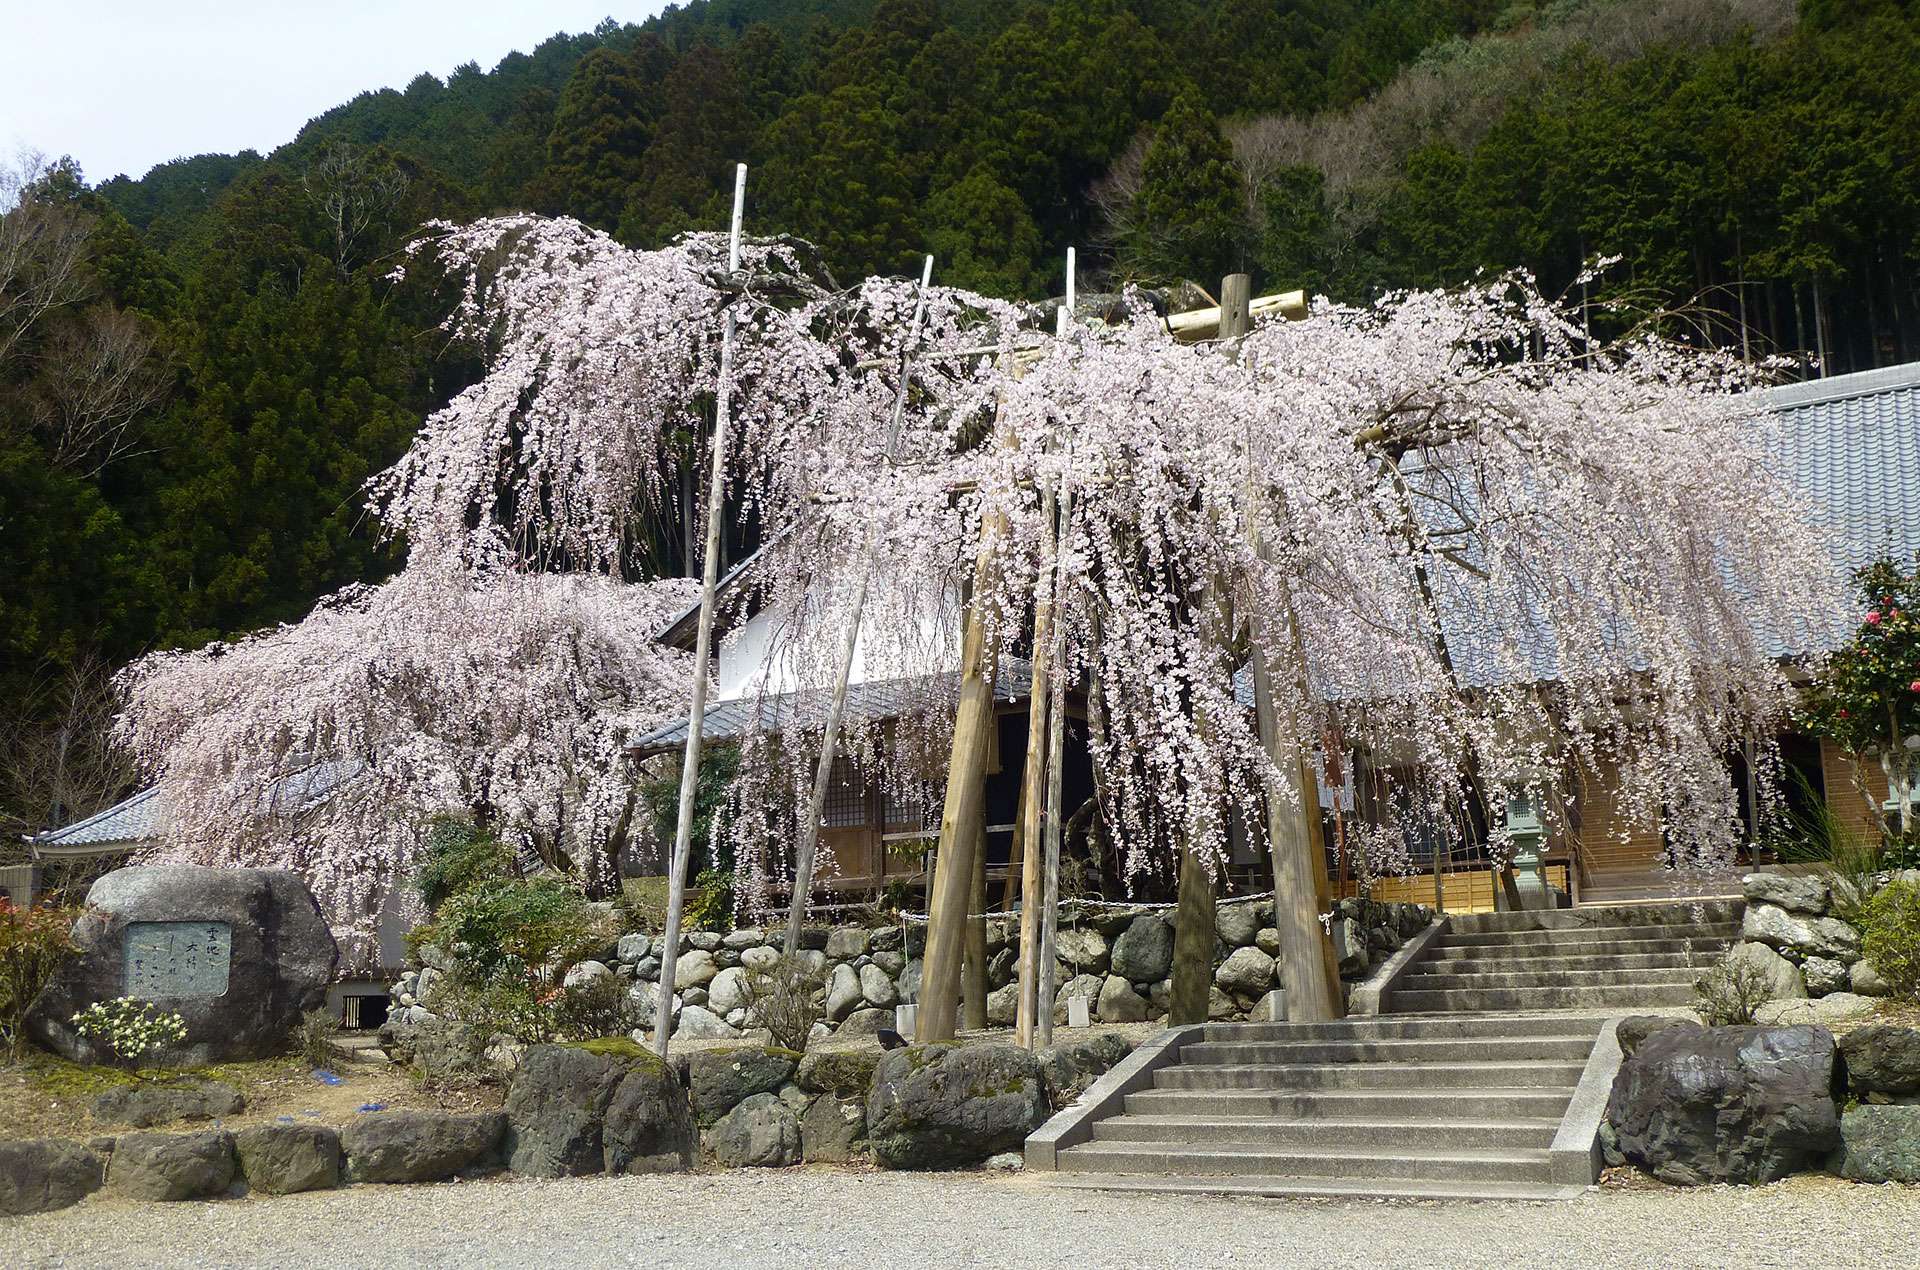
{"points": [[1193, 937], [1032, 879], [963, 818], [973, 980]]}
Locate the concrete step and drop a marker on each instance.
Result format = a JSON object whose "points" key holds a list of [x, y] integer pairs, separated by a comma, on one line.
{"points": [[1281, 1131], [1445, 977], [1451, 1164], [1502, 963], [1457, 1075], [1589, 939], [1414, 1050], [1397, 1027], [1386, 1188], [1706, 945], [1683, 913], [1355, 1104], [1623, 997]]}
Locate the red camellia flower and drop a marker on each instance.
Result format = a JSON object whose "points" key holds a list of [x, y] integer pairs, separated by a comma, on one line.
{"points": [[1873, 617], [1916, 685]]}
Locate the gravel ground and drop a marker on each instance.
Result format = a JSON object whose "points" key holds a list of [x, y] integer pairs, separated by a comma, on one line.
{"points": [[799, 1218]]}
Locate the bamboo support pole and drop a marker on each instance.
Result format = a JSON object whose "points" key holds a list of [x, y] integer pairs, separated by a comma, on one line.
{"points": [[703, 641], [1056, 765], [809, 843]]}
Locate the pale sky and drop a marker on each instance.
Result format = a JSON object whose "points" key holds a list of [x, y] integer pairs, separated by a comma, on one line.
{"points": [[124, 84]]}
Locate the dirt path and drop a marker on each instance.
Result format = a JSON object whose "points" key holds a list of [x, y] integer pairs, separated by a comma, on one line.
{"points": [[791, 1219]]}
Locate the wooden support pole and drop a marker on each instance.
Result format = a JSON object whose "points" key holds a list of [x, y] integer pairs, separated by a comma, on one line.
{"points": [[963, 816], [1301, 893], [1055, 821], [703, 641], [1032, 882], [809, 842], [973, 979]]}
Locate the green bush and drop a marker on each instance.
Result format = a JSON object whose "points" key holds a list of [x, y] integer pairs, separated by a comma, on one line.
{"points": [[1890, 936], [710, 901], [459, 856], [520, 924], [34, 944], [517, 1004]]}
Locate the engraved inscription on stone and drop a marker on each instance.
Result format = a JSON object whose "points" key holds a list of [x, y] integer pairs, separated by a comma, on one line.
{"points": [[178, 959]]}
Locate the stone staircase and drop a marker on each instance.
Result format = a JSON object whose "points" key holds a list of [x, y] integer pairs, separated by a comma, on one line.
{"points": [[1460, 1107], [1458, 1091], [1617, 958]]}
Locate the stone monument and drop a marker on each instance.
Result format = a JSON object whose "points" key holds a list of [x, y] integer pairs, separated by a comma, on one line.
{"points": [[240, 954]]}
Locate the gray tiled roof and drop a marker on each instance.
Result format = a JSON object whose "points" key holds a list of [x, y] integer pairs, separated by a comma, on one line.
{"points": [[138, 819], [134, 820], [1854, 442], [878, 699]]}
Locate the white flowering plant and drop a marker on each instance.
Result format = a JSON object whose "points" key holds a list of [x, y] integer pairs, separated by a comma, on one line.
{"points": [[129, 1028]]}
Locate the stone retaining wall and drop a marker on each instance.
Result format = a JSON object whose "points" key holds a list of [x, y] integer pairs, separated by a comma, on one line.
{"points": [[1118, 959], [1793, 932]]}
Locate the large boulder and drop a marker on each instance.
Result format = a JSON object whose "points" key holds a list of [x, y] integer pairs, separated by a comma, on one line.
{"points": [[729, 991], [1784, 980], [171, 1166], [1247, 972], [1003, 1006], [1821, 936], [557, 1109], [832, 1129], [1119, 1003], [1143, 953], [843, 993], [239, 954], [1350, 947], [876, 987], [1069, 1069], [38, 1175], [1728, 1104], [721, 1079], [1633, 1031], [1882, 1059], [762, 1131], [698, 1023], [695, 969], [1825, 975], [282, 1159], [844, 943], [1795, 893], [1835, 1007], [420, 1146], [1879, 1144], [649, 1124], [844, 1073], [1083, 949], [1238, 925], [1087, 986], [949, 1106], [144, 1104]]}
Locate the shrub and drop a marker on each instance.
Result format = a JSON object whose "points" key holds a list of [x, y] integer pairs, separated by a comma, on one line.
{"points": [[128, 1028], [540, 924], [1732, 991], [710, 903], [458, 857], [785, 1001], [34, 944], [1890, 936], [313, 1041], [518, 1005]]}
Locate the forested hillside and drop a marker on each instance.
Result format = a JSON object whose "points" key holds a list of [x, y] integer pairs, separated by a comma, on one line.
{"points": [[201, 365]]}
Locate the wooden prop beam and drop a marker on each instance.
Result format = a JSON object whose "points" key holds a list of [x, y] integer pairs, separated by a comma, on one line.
{"points": [[703, 641], [1032, 883], [1056, 766]]}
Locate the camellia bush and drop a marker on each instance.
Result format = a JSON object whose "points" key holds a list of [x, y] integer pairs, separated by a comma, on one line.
{"points": [[1867, 699]]}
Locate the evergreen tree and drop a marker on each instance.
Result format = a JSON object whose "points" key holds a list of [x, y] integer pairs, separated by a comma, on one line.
{"points": [[1187, 215]]}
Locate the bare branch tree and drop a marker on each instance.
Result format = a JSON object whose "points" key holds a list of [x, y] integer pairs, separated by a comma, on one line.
{"points": [[356, 194], [97, 377], [58, 760], [43, 254]]}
